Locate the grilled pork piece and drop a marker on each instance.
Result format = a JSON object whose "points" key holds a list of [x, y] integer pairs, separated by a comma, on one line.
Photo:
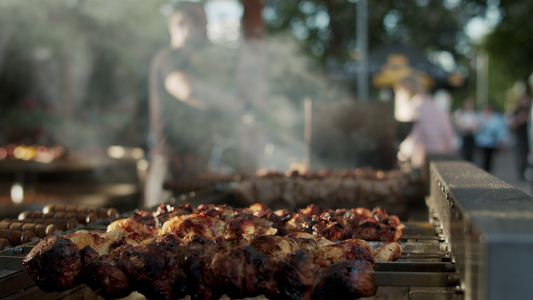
{"points": [[133, 229], [247, 227], [295, 278], [388, 252], [345, 251], [223, 212], [200, 224], [54, 264], [374, 231], [240, 272], [104, 274], [156, 269], [165, 212], [275, 247], [346, 280]]}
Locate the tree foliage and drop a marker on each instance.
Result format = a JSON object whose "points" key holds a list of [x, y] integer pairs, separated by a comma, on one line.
{"points": [[80, 61], [426, 25], [96, 53], [508, 43]]}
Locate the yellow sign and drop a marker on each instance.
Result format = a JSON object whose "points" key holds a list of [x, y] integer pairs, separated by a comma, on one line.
{"points": [[396, 68]]}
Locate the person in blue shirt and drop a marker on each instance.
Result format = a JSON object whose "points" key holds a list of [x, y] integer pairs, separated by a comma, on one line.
{"points": [[491, 136]]}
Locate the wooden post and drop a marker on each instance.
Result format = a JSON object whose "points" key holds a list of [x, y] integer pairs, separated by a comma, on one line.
{"points": [[307, 131], [68, 112], [252, 85]]}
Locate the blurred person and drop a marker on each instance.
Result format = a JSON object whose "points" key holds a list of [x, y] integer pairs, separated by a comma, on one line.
{"points": [[193, 103], [519, 126], [491, 136], [404, 108], [432, 130], [467, 124], [528, 172]]}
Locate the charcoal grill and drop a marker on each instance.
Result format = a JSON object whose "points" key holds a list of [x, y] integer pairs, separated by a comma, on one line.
{"points": [[473, 241]]}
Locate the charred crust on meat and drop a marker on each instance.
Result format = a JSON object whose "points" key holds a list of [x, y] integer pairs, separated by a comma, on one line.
{"points": [[370, 225], [341, 281], [216, 249], [49, 272]]}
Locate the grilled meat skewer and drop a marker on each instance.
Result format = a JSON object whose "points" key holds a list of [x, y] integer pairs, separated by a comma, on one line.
{"points": [[215, 250]]}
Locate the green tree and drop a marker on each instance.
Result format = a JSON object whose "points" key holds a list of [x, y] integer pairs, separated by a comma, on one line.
{"points": [[510, 52], [509, 42], [327, 28], [85, 61]]}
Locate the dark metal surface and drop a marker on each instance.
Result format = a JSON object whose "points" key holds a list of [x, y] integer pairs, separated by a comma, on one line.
{"points": [[11, 258], [489, 225], [432, 293], [78, 293], [14, 282], [427, 279]]}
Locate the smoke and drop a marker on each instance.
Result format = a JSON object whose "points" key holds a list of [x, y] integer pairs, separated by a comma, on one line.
{"points": [[87, 65], [82, 63]]}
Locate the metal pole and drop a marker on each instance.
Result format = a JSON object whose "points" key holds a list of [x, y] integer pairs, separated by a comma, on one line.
{"points": [[362, 47], [482, 67]]}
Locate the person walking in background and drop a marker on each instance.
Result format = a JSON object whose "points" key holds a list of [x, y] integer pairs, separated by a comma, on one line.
{"points": [[432, 131], [467, 124], [491, 136], [519, 126]]}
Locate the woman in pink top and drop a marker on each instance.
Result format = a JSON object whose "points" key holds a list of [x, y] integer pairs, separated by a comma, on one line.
{"points": [[432, 131]]}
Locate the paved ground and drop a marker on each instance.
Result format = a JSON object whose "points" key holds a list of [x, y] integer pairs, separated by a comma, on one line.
{"points": [[505, 169]]}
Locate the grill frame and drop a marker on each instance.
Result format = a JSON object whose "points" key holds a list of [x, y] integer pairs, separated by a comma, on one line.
{"points": [[488, 225]]}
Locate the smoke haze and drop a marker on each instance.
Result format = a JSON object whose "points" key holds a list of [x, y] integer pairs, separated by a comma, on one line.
{"points": [[82, 67]]}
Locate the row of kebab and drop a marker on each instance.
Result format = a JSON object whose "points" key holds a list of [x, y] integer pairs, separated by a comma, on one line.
{"points": [[207, 251], [364, 187], [53, 219]]}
